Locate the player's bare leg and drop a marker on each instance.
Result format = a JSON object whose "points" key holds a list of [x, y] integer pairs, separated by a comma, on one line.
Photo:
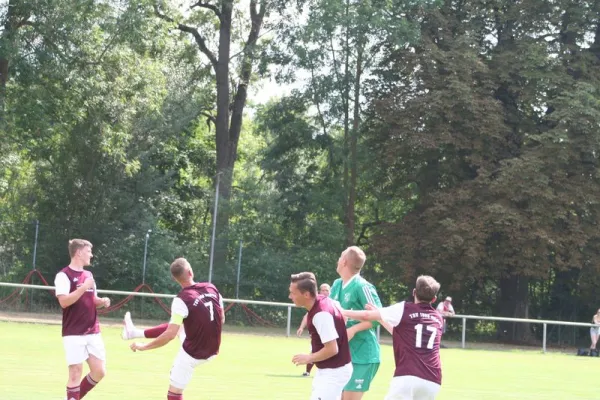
{"points": [[174, 393], [352, 395], [594, 341], [97, 372], [131, 332], [75, 372]]}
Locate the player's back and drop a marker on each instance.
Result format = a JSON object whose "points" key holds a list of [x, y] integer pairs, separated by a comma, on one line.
{"points": [[416, 341], [203, 324]]}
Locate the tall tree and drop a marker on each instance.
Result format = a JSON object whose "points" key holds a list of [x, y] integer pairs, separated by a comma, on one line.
{"points": [[212, 26], [336, 48], [471, 122]]}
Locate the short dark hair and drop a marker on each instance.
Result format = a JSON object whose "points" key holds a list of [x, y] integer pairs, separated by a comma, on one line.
{"points": [[426, 288], [76, 244], [306, 282], [179, 266]]}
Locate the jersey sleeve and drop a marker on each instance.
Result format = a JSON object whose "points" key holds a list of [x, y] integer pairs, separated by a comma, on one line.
{"points": [[393, 314], [179, 311], [368, 295], [323, 323], [62, 284]]}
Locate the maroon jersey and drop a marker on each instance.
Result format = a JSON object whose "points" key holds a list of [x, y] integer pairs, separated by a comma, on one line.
{"points": [[416, 339], [325, 304], [81, 317], [203, 324]]}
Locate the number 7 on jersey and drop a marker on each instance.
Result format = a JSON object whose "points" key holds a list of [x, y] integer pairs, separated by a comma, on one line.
{"points": [[210, 307], [419, 338]]}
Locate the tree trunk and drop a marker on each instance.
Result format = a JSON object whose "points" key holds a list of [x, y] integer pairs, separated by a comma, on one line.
{"points": [[351, 217], [222, 136], [348, 224], [11, 24], [228, 131], [514, 303]]}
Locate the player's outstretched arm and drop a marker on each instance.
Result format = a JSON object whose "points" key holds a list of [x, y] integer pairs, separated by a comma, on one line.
{"points": [[365, 315], [361, 326], [169, 334]]}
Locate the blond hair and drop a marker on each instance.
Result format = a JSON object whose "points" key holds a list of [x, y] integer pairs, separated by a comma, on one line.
{"points": [[179, 267], [77, 244], [355, 258]]}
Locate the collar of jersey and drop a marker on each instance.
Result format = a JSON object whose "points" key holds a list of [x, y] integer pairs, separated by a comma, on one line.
{"points": [[345, 285]]}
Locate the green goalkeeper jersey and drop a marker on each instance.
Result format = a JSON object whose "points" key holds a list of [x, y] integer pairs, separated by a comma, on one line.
{"points": [[357, 293]]}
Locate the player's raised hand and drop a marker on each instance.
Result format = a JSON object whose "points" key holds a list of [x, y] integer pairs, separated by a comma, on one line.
{"points": [[137, 346], [88, 283], [301, 359]]}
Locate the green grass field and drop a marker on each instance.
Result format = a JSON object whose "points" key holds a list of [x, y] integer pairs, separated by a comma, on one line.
{"points": [[259, 367]]}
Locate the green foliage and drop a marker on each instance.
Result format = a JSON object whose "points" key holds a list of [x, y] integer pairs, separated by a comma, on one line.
{"points": [[490, 128]]}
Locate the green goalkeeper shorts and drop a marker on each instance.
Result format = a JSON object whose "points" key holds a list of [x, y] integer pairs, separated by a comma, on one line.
{"points": [[362, 376]]}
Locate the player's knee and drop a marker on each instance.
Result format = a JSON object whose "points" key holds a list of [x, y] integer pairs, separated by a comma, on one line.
{"points": [[75, 372], [98, 373]]}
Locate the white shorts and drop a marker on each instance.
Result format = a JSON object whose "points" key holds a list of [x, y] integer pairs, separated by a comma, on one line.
{"points": [[412, 388], [79, 348], [183, 369], [329, 383]]}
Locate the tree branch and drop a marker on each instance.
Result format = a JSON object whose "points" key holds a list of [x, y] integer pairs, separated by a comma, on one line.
{"points": [[363, 237], [188, 29], [207, 6]]}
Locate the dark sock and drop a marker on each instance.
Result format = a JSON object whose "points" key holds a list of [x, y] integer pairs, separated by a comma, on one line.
{"points": [[86, 385], [73, 393], [309, 367], [155, 331], [174, 396]]}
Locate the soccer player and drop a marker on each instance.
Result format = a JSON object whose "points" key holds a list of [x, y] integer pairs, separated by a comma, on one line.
{"points": [[324, 290], [417, 331], [327, 328], [199, 307], [76, 294], [354, 293]]}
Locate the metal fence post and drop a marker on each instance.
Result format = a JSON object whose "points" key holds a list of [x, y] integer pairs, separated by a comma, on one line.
{"points": [[145, 256], [544, 340], [37, 230], [289, 321], [239, 267], [214, 229], [35, 243], [464, 331]]}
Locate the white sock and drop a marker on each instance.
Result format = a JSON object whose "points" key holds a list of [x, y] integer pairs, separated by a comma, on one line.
{"points": [[138, 333]]}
